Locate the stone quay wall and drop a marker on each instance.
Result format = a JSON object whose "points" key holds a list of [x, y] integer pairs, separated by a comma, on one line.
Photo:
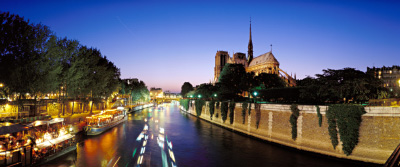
{"points": [[379, 130]]}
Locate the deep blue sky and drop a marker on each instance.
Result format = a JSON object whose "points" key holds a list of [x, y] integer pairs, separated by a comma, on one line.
{"points": [[167, 43]]}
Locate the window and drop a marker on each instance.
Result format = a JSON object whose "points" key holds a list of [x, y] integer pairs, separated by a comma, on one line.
{"points": [[26, 108]]}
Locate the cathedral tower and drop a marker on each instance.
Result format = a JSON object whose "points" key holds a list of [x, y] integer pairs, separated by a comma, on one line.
{"points": [[250, 48], [221, 58]]}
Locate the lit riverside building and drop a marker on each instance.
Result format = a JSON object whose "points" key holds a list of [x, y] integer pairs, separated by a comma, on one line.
{"points": [[390, 77]]}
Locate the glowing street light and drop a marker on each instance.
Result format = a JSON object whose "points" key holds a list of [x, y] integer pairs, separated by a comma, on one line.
{"points": [[215, 95], [199, 96], [255, 93], [1, 85]]}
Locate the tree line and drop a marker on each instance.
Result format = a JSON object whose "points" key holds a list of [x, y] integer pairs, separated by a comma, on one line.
{"points": [[136, 91], [234, 83], [346, 85], [35, 62]]}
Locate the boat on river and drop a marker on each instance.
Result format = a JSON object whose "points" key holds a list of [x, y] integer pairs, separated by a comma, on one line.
{"points": [[97, 124], [35, 143]]}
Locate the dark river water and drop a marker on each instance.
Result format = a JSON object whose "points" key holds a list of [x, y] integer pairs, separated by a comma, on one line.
{"points": [[193, 142]]}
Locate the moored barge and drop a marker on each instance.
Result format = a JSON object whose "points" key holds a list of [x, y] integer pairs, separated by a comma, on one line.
{"points": [[97, 124]]}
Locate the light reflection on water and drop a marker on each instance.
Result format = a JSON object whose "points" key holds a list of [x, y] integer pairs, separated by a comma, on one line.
{"points": [[195, 143]]}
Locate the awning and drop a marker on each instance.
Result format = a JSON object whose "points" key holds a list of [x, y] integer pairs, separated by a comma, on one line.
{"points": [[37, 123], [7, 128], [56, 120], [51, 142], [40, 122]]}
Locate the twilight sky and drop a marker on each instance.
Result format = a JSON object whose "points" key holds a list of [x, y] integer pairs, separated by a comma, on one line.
{"points": [[165, 43]]}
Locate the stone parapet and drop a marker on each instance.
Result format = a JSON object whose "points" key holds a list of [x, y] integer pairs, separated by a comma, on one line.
{"points": [[379, 130]]}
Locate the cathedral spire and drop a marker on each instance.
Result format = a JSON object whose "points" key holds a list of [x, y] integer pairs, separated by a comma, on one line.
{"points": [[271, 48], [250, 32], [250, 48]]}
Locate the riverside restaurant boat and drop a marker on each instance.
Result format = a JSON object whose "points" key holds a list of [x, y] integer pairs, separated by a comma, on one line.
{"points": [[52, 139], [97, 124], [35, 143]]}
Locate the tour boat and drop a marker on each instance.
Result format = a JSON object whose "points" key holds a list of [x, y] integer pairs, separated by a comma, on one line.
{"points": [[99, 123], [36, 143]]}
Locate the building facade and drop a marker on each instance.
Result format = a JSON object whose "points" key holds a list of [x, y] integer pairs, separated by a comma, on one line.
{"points": [[390, 77], [265, 63], [156, 93]]}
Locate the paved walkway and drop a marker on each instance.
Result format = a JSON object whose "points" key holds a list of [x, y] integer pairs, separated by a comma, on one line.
{"points": [[77, 117]]}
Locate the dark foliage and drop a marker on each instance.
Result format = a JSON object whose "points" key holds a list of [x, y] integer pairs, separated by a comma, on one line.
{"points": [[270, 80], [33, 60], [346, 85], [285, 95], [184, 103], [186, 87], [348, 120], [244, 108], [232, 105], [232, 81], [199, 106], [211, 106], [319, 116], [249, 109], [224, 110], [331, 117], [293, 120]]}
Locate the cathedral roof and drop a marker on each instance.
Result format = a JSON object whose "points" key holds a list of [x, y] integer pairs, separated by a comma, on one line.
{"points": [[264, 58]]}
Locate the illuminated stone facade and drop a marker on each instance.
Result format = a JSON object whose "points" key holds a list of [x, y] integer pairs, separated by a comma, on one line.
{"points": [[156, 93], [265, 63], [390, 77]]}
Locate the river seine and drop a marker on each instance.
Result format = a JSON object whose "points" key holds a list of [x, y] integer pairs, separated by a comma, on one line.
{"points": [[165, 136]]}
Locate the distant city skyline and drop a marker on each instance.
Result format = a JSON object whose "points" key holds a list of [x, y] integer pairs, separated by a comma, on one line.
{"points": [[166, 44]]}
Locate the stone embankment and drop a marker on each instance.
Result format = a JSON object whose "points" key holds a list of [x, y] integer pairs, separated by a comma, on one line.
{"points": [[379, 130]]}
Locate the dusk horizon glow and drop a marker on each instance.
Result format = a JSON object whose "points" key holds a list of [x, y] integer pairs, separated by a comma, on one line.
{"points": [[166, 44]]}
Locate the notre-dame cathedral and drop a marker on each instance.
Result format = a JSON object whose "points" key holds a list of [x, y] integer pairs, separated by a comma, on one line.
{"points": [[265, 63]]}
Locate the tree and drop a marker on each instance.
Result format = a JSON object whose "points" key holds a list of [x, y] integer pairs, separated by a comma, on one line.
{"points": [[136, 90], [140, 92], [311, 91], [344, 85], [206, 90], [232, 80], [21, 48], [186, 87], [270, 80], [250, 82], [34, 61], [22, 45]]}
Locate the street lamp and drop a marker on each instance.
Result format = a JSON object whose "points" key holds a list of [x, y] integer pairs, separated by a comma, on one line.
{"points": [[1, 85], [199, 96], [215, 95], [255, 93]]}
